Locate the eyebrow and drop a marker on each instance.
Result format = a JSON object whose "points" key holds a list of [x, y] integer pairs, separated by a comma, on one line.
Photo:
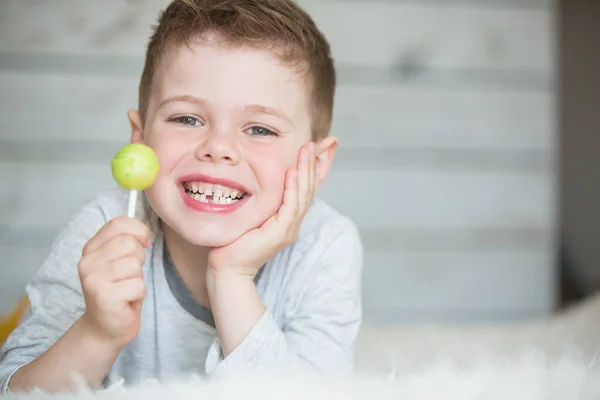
{"points": [[258, 109], [251, 108], [182, 98]]}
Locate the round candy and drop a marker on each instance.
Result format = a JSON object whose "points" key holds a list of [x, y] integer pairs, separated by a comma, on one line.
{"points": [[135, 166]]}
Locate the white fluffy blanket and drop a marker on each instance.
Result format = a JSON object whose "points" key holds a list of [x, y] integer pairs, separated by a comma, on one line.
{"points": [[551, 359]]}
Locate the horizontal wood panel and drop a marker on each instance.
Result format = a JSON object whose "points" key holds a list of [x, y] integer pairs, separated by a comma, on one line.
{"points": [[395, 284], [435, 198], [405, 34], [44, 106], [443, 118], [425, 285], [378, 197], [413, 34]]}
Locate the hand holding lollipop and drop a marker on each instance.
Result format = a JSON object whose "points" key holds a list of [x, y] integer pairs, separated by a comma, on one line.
{"points": [[113, 299], [135, 167]]}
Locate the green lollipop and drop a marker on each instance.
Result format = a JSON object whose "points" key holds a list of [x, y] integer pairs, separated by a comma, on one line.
{"points": [[135, 167]]}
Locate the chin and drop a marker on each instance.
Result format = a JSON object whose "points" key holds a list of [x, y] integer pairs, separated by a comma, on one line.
{"points": [[208, 236]]}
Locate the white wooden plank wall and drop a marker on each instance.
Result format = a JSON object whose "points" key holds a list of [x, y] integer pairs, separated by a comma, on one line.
{"points": [[445, 112]]}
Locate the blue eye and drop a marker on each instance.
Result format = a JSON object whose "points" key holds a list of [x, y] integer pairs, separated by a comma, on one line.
{"points": [[186, 120], [260, 131]]}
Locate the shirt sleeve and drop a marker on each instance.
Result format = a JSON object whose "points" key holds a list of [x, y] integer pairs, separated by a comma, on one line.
{"points": [[55, 296], [320, 333]]}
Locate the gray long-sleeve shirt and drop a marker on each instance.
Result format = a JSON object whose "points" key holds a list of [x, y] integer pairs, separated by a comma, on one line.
{"points": [[311, 291]]}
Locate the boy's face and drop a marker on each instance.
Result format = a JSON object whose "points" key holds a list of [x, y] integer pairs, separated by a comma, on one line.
{"points": [[226, 124]]}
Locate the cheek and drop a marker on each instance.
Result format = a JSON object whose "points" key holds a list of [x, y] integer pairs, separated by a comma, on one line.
{"points": [[270, 168], [169, 152], [271, 178]]}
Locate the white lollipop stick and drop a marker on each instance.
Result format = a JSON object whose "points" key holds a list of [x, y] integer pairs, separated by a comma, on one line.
{"points": [[132, 202]]}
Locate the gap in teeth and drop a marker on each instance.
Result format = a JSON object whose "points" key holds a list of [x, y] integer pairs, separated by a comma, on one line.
{"points": [[205, 194], [215, 200]]}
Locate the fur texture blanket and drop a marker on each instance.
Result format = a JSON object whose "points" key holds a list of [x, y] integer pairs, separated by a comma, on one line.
{"points": [[548, 359]]}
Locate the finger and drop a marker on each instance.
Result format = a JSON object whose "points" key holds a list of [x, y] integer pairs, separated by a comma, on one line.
{"points": [[115, 248], [288, 210], [129, 290], [312, 176], [125, 268], [117, 227], [121, 246], [303, 176], [119, 270], [305, 181]]}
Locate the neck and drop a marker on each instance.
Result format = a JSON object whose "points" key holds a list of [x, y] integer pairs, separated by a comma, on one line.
{"points": [[190, 261]]}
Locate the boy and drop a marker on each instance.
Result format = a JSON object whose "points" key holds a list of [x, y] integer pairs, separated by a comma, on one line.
{"points": [[230, 265]]}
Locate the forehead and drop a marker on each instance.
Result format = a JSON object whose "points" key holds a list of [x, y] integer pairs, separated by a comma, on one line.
{"points": [[231, 76]]}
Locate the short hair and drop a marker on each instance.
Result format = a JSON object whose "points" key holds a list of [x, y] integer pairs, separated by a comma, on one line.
{"points": [[279, 26]]}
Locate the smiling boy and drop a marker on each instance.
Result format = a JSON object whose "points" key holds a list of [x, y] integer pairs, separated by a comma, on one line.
{"points": [[231, 265]]}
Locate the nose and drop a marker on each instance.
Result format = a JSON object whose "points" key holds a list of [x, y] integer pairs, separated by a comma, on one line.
{"points": [[219, 147]]}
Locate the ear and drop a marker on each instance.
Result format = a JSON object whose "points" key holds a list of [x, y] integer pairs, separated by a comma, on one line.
{"points": [[137, 130], [325, 151]]}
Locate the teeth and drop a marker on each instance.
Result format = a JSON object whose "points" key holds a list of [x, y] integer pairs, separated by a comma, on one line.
{"points": [[198, 191], [215, 200]]}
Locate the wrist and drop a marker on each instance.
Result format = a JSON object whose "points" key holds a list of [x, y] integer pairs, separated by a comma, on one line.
{"points": [[226, 282], [94, 338], [229, 274]]}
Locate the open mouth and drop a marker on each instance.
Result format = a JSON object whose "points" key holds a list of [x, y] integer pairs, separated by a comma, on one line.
{"points": [[213, 194]]}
